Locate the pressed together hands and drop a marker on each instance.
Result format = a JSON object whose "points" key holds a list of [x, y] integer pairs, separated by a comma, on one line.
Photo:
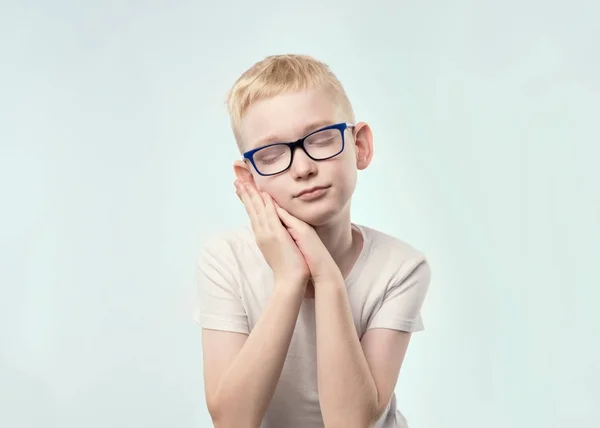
{"points": [[290, 246], [242, 372]]}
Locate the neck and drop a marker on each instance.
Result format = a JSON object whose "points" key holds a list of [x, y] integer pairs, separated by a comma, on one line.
{"points": [[341, 242]]}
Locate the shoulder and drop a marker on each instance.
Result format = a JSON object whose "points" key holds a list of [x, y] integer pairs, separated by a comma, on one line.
{"points": [[230, 247], [233, 239], [382, 243], [393, 254]]}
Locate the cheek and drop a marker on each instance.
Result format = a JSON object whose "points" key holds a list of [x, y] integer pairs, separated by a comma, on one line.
{"points": [[347, 180], [272, 187], [347, 168]]}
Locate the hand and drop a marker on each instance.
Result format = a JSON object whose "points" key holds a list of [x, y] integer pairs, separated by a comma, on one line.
{"points": [[320, 263], [273, 240]]}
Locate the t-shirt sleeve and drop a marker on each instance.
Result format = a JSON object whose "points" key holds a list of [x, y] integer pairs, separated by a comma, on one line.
{"points": [[401, 306], [220, 305]]}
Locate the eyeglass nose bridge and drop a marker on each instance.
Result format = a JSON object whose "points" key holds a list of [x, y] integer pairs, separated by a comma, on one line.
{"points": [[298, 144]]}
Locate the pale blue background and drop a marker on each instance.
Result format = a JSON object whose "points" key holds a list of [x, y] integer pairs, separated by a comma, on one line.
{"points": [[116, 160]]}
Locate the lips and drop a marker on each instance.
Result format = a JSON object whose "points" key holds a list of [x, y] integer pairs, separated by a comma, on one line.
{"points": [[312, 189]]}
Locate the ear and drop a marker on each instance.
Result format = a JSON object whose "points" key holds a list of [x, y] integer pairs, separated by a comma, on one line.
{"points": [[242, 172], [363, 141]]}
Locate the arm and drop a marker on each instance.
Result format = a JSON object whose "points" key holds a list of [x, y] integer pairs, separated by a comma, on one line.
{"points": [[357, 378], [241, 371], [347, 391]]}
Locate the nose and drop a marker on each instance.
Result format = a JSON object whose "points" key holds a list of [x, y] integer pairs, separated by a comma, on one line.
{"points": [[302, 165]]}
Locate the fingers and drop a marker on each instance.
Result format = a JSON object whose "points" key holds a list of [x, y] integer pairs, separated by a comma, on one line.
{"points": [[253, 203], [271, 212], [288, 220], [259, 206], [244, 196], [263, 211]]}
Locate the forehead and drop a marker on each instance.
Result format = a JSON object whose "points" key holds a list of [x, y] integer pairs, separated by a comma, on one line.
{"points": [[287, 117]]}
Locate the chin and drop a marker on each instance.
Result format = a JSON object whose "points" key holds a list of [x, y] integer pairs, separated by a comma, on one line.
{"points": [[318, 216]]}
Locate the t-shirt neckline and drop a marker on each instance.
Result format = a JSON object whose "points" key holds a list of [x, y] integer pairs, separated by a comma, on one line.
{"points": [[357, 267]]}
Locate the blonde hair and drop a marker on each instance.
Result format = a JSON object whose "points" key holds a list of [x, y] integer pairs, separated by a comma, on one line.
{"points": [[277, 74]]}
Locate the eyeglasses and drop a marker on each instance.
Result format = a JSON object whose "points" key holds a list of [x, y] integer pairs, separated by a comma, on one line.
{"points": [[322, 144]]}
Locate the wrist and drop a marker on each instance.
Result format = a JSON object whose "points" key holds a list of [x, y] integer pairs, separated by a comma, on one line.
{"points": [[329, 275], [291, 284], [331, 281]]}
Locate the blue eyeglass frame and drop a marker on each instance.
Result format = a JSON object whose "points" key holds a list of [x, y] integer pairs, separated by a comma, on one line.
{"points": [[249, 155]]}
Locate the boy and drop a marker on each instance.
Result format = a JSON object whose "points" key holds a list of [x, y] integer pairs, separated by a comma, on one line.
{"points": [[306, 315]]}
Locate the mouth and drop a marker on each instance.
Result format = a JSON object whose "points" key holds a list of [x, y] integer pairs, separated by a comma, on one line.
{"points": [[312, 193]]}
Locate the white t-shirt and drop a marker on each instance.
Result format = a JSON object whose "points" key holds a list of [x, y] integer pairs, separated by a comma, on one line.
{"points": [[386, 289]]}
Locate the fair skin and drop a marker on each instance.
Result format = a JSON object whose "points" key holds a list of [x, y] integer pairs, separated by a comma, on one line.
{"points": [[311, 247]]}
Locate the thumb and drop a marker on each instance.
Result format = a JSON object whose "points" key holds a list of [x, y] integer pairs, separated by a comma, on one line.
{"points": [[287, 219]]}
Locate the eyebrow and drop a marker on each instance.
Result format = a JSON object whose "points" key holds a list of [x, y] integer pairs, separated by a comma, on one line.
{"points": [[269, 139]]}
